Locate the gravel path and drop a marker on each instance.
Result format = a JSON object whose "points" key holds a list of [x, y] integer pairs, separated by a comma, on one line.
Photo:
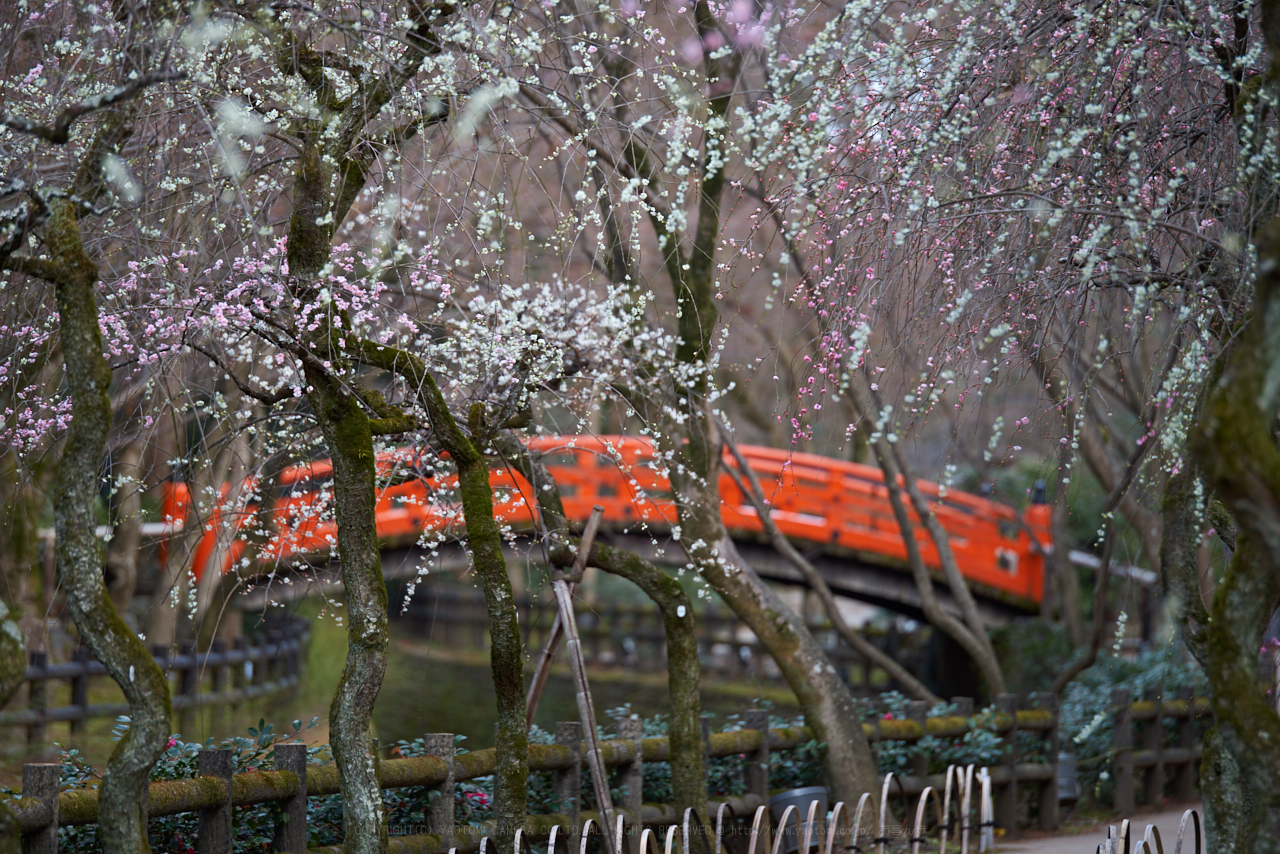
{"points": [[1087, 841]]}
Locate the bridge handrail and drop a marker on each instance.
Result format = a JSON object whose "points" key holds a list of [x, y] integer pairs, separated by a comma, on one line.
{"points": [[837, 503]]}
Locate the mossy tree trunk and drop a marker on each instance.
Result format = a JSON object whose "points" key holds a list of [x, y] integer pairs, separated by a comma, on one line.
{"points": [[80, 555], [506, 651], [348, 436], [1236, 447], [506, 648]]}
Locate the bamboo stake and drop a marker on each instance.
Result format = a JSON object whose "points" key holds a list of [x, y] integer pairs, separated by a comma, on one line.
{"points": [[599, 779], [557, 628]]}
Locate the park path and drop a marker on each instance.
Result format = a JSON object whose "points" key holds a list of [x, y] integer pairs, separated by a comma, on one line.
{"points": [[1086, 841]]}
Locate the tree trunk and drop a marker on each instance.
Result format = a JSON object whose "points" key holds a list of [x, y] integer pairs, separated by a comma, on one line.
{"points": [[829, 706], [684, 668], [1236, 449], [1064, 573], [506, 649], [349, 440], [122, 827], [348, 435]]}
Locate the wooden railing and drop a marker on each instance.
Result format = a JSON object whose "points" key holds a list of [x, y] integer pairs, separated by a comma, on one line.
{"points": [[43, 808], [259, 666], [631, 635]]}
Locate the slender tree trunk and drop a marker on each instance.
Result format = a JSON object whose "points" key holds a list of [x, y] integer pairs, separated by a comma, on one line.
{"points": [[1064, 573], [829, 706], [506, 649], [348, 435], [122, 825]]}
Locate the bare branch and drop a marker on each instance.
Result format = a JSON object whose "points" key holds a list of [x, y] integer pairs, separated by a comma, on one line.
{"points": [[59, 133]]}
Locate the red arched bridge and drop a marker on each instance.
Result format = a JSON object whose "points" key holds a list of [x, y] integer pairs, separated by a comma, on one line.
{"points": [[838, 512]]}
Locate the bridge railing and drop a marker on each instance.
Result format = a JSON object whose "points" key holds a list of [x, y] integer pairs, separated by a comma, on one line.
{"points": [[631, 635], [820, 500], [219, 791], [262, 665]]}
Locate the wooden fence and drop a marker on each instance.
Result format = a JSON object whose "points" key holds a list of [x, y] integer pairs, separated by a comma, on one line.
{"points": [[631, 635], [43, 808], [262, 665]]}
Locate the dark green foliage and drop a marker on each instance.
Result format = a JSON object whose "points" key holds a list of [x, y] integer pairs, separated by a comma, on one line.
{"points": [[1087, 733], [1031, 653]]}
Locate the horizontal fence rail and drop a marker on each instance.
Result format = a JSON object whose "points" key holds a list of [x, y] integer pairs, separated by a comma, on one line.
{"points": [[42, 807], [255, 667]]}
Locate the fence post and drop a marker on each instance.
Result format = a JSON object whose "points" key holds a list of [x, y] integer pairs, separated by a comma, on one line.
{"points": [[80, 690], [632, 777], [964, 706], [1122, 749], [215, 822], [37, 698], [568, 783], [40, 780], [291, 821], [1184, 786], [706, 748], [1153, 739], [440, 812], [918, 711], [1049, 788], [1007, 800], [757, 770]]}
